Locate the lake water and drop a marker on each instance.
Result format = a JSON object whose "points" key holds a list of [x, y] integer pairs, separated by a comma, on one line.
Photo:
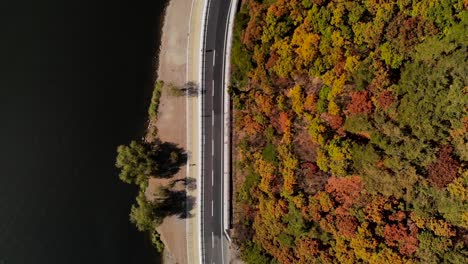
{"points": [[75, 81]]}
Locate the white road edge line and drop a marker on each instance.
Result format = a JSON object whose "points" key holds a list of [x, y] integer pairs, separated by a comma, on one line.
{"points": [[212, 88], [212, 208], [214, 57], [212, 178], [212, 239]]}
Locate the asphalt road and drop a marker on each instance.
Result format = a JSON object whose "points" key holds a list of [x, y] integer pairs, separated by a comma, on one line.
{"points": [[213, 73]]}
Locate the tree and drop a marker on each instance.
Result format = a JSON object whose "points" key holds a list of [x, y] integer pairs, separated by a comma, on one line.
{"points": [[432, 248], [334, 157], [360, 103], [380, 86], [363, 242], [285, 124], [346, 191], [135, 162], [156, 241], [334, 121], [433, 93], [253, 253], [346, 225], [307, 249], [296, 96], [154, 105], [142, 214], [444, 170], [385, 99], [398, 235]]}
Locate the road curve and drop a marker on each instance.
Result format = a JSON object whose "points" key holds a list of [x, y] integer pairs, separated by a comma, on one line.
{"points": [[212, 124]]}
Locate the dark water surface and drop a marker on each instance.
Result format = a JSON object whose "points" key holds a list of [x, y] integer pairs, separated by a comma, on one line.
{"points": [[75, 80]]}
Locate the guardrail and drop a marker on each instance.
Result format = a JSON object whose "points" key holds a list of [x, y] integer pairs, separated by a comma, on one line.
{"points": [[227, 123]]}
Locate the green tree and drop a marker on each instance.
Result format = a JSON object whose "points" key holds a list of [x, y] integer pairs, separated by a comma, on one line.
{"points": [[434, 94], [156, 240], [135, 162], [142, 214], [154, 105], [253, 254]]}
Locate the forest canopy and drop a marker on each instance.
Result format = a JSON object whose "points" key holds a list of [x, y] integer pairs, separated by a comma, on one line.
{"points": [[350, 127]]}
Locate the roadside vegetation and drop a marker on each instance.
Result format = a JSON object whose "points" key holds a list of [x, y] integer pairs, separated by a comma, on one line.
{"points": [[140, 161], [154, 105], [350, 127]]}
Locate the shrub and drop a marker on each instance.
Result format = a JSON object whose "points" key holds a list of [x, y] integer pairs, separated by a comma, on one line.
{"points": [[154, 105]]}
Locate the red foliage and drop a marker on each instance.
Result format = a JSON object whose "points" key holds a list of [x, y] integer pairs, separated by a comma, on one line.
{"points": [[249, 211], [279, 8], [346, 225], [385, 99], [284, 122], [408, 31], [307, 247], [360, 103], [339, 67], [310, 169], [334, 121], [381, 77], [253, 30], [398, 236], [251, 126], [398, 216], [444, 170], [283, 83], [272, 60], [345, 190]]}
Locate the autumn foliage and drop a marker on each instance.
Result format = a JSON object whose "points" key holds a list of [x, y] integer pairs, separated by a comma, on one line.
{"points": [[444, 170], [360, 103], [350, 131], [405, 238], [345, 190], [385, 99]]}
